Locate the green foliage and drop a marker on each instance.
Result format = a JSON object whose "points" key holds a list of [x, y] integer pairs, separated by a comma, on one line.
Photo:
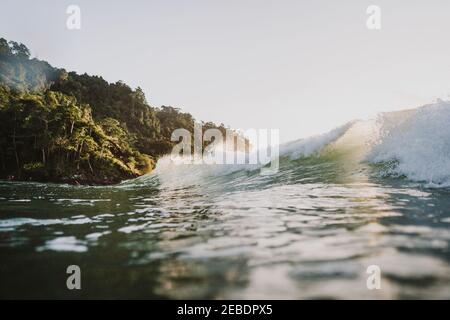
{"points": [[20, 73], [59, 126], [50, 136]]}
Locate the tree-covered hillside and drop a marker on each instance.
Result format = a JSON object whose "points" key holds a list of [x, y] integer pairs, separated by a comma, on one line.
{"points": [[65, 127]]}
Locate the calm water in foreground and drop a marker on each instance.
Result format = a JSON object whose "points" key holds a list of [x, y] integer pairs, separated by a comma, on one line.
{"points": [[309, 231]]}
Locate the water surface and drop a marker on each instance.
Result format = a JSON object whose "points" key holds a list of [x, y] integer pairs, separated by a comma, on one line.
{"points": [[309, 231]]}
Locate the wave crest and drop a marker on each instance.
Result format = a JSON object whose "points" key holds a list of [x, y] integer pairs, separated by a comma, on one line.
{"points": [[415, 144]]}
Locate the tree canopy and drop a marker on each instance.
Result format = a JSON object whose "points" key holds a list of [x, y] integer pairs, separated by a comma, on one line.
{"points": [[63, 126]]}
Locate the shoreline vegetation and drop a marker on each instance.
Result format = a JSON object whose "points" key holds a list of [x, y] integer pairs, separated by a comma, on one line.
{"points": [[59, 126]]}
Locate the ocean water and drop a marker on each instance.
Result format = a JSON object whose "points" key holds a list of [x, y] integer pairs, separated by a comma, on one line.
{"points": [[367, 193]]}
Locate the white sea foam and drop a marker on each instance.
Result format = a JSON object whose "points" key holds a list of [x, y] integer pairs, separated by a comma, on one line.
{"points": [[64, 244], [416, 143], [307, 147]]}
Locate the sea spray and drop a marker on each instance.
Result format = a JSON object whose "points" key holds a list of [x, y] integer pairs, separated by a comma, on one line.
{"points": [[415, 144]]}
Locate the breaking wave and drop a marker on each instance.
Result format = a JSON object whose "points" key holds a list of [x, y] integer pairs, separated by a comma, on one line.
{"points": [[415, 144], [412, 144]]}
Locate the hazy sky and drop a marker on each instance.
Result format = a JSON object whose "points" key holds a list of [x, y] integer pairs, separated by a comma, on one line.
{"points": [[300, 66]]}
